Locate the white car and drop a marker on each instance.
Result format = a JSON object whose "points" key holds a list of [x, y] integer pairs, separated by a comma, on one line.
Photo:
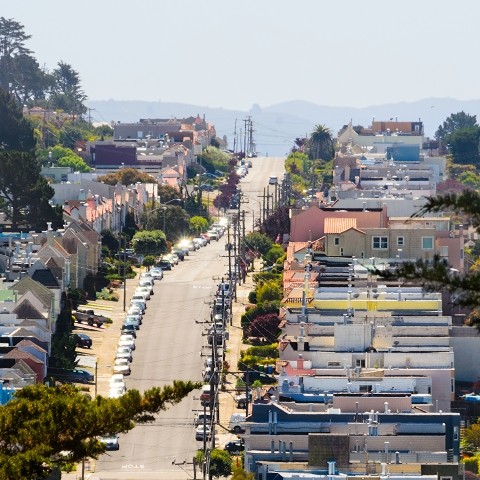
{"points": [[135, 310], [273, 180], [117, 384], [124, 352], [121, 365], [116, 391], [126, 340], [145, 291], [157, 273]]}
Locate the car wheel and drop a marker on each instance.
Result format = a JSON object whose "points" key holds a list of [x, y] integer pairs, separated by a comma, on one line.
{"points": [[241, 404], [236, 429], [85, 381]]}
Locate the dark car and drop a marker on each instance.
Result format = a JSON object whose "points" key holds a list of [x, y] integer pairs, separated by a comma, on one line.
{"points": [[82, 340], [129, 328], [71, 376], [164, 265], [206, 187], [235, 446], [179, 253]]}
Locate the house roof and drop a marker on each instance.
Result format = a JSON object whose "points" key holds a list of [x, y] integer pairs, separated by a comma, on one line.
{"points": [[338, 225], [30, 344], [25, 310], [21, 355], [27, 284], [45, 277]]}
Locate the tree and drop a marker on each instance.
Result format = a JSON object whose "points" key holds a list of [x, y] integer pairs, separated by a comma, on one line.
{"points": [[12, 45], [471, 437], [275, 252], [198, 224], [126, 176], [276, 224], [67, 93], [320, 143], [74, 162], [259, 242], [149, 261], [169, 218], [265, 326], [149, 242], [167, 193], [455, 122], [269, 291], [464, 145], [41, 423], [15, 131], [240, 474], [220, 462]]}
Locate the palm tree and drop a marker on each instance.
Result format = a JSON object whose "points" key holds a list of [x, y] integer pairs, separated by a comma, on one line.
{"points": [[321, 143]]}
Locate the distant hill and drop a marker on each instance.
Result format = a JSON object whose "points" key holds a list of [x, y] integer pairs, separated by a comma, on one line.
{"points": [[277, 126]]}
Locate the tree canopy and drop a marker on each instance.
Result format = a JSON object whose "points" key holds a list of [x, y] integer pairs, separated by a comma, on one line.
{"points": [[455, 121], [126, 176], [320, 143], [149, 242], [42, 423]]}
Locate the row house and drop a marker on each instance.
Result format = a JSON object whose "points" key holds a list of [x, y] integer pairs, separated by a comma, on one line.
{"points": [[364, 233]]}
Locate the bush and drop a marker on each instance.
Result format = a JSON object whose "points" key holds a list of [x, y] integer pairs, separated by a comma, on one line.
{"points": [[269, 291], [252, 297], [265, 326], [107, 294], [253, 312], [471, 464]]}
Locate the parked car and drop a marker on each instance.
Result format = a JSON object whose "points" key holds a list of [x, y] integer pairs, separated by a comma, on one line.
{"points": [[82, 340], [213, 235], [183, 248], [111, 442], [146, 291], [164, 264], [117, 380], [203, 242], [241, 400], [235, 447], [173, 259], [206, 187], [202, 418], [141, 304], [179, 253], [116, 391], [157, 273], [121, 365], [76, 375], [202, 431], [134, 320], [126, 340], [124, 352], [135, 310], [129, 329]]}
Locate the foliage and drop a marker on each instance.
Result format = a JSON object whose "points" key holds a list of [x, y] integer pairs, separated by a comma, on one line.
{"points": [[110, 241], [63, 351], [269, 291], [265, 326], [276, 224], [464, 145], [471, 437], [455, 122], [172, 220], [213, 159], [127, 176], [67, 94], [63, 157], [262, 351], [257, 310], [149, 261], [15, 131], [262, 277], [149, 242], [107, 294], [471, 464], [41, 422], [220, 462], [198, 224], [252, 296], [240, 474], [167, 193], [470, 179], [258, 242], [274, 253], [320, 143]]}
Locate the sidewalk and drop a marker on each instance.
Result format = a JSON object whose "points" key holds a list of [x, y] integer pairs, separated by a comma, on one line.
{"points": [[234, 346]]}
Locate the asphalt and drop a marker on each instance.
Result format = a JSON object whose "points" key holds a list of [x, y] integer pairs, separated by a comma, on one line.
{"points": [[99, 359]]}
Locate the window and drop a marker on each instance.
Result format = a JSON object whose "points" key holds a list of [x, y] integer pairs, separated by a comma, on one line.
{"points": [[341, 252], [380, 243], [336, 241], [400, 241], [427, 243]]}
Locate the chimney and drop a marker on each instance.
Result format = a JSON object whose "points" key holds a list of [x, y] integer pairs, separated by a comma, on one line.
{"points": [[300, 362], [331, 468]]}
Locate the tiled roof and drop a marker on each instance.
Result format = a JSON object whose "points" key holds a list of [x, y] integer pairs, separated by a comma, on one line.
{"points": [[339, 225]]}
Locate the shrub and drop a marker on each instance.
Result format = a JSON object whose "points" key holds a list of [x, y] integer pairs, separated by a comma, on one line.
{"points": [[471, 464], [107, 294], [269, 291], [252, 297], [265, 326], [251, 313]]}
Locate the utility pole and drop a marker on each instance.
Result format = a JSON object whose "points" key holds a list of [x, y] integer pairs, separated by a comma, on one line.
{"points": [[246, 120], [235, 138]]}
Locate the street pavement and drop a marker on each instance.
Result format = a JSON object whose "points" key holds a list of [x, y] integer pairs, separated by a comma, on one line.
{"points": [[101, 356]]}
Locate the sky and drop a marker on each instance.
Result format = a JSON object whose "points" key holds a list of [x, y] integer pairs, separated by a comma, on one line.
{"points": [[234, 54]]}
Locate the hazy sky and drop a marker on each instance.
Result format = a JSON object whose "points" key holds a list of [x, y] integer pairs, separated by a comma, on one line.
{"points": [[233, 54]]}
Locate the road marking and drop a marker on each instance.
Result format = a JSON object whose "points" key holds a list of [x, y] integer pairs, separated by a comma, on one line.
{"points": [[133, 466]]}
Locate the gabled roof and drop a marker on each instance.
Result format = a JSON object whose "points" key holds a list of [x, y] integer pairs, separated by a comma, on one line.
{"points": [[46, 278], [338, 225], [25, 310], [30, 344], [18, 354], [27, 284]]}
